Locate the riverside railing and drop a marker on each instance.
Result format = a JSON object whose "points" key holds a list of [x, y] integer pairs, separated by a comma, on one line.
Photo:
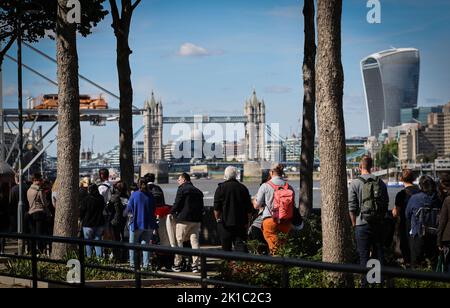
{"points": [[203, 280]]}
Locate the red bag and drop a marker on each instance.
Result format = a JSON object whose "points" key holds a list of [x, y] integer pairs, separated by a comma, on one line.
{"points": [[283, 202]]}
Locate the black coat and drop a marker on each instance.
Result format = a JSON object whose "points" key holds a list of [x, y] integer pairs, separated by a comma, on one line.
{"points": [[189, 204], [444, 223], [157, 193], [232, 199], [91, 211]]}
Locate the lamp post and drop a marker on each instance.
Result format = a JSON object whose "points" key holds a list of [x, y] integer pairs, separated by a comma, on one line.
{"points": [[20, 111]]}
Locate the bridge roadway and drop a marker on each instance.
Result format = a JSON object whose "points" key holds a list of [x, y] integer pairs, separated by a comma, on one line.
{"points": [[51, 115]]}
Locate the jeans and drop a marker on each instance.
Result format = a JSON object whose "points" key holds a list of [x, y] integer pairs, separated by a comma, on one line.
{"points": [[93, 234], [369, 241], [143, 237]]}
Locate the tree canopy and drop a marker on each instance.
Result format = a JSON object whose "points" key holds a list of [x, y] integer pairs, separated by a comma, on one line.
{"points": [[38, 19]]}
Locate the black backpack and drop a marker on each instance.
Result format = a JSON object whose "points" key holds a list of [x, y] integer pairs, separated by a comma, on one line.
{"points": [[373, 206], [157, 193], [428, 218]]}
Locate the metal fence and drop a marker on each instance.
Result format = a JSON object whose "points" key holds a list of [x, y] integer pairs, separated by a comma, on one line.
{"points": [[203, 280]]}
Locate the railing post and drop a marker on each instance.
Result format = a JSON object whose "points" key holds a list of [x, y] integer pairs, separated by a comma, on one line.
{"points": [[82, 265], [204, 271], [34, 263], [285, 277], [137, 268]]}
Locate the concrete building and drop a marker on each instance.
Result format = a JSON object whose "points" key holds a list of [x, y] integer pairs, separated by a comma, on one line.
{"points": [[433, 140], [408, 145], [275, 151], [293, 149], [391, 82], [437, 132]]}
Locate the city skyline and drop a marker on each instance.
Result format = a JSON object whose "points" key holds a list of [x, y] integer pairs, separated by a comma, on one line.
{"points": [[206, 58]]}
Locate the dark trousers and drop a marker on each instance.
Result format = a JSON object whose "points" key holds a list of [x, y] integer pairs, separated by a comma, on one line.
{"points": [[119, 236], [404, 242], [38, 223], [256, 234], [369, 241], [230, 236], [422, 248]]}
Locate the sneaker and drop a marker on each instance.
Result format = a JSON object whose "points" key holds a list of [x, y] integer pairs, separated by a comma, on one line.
{"points": [[195, 269], [176, 269]]}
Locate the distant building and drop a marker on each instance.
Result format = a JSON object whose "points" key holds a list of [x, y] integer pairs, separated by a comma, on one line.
{"points": [[432, 140], [391, 82], [373, 146], [438, 131], [275, 151], [418, 115], [138, 152], [234, 151], [293, 149], [168, 149]]}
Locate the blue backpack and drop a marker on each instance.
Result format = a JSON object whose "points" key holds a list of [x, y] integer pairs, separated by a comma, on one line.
{"points": [[428, 219]]}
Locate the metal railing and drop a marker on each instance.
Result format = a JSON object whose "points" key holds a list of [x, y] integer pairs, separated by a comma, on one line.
{"points": [[204, 280]]}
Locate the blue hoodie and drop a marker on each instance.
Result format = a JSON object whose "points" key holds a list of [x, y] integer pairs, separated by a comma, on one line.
{"points": [[142, 206], [416, 202]]}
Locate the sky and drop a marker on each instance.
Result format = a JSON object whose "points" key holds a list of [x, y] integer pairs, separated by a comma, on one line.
{"points": [[206, 57]]}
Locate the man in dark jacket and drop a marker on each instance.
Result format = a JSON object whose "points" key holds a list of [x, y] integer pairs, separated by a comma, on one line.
{"points": [[232, 209], [188, 211]]}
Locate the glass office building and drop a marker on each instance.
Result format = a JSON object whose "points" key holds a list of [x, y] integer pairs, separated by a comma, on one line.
{"points": [[420, 114], [391, 83]]}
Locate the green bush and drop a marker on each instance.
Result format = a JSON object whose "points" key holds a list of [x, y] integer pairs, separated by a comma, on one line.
{"points": [[58, 272], [305, 244]]}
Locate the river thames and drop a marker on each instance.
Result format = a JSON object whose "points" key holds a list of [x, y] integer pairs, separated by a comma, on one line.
{"points": [[208, 187]]}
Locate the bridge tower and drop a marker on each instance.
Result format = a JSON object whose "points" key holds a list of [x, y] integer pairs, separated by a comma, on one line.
{"points": [[153, 132], [255, 111]]}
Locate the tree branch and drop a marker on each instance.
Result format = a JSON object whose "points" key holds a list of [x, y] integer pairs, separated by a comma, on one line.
{"points": [[7, 47], [114, 12], [135, 5]]}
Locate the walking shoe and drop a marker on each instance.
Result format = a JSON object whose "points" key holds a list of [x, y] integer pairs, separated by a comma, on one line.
{"points": [[176, 269], [195, 269]]}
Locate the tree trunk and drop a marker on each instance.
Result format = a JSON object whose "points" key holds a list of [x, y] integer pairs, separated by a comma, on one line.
{"points": [[66, 220], [121, 25], [309, 111], [333, 176], [126, 112]]}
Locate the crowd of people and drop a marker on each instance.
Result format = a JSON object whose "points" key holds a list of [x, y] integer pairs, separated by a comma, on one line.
{"points": [[421, 212], [139, 214]]}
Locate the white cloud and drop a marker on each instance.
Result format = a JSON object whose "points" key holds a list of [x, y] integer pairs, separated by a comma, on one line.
{"points": [[192, 50]]}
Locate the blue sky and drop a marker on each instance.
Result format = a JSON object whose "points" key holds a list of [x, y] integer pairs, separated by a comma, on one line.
{"points": [[206, 56]]}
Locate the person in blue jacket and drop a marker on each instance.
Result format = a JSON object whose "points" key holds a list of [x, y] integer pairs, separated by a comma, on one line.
{"points": [[422, 242], [141, 207]]}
